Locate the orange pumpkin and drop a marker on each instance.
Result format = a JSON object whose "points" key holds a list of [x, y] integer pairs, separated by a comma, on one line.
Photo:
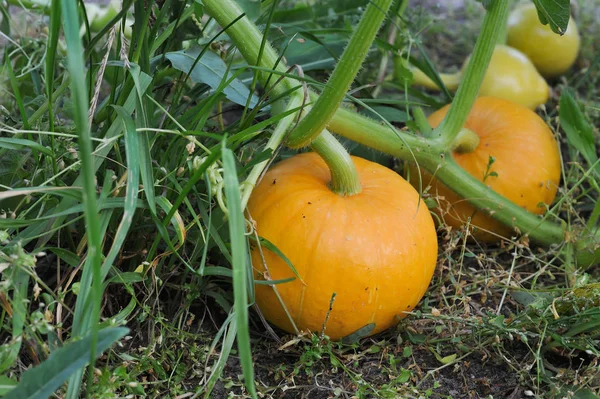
{"points": [[375, 250], [525, 170]]}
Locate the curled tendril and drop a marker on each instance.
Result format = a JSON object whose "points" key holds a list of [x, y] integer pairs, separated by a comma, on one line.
{"points": [[214, 176]]}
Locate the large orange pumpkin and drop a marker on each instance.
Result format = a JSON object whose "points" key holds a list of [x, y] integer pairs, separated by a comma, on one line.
{"points": [[375, 250], [525, 170]]}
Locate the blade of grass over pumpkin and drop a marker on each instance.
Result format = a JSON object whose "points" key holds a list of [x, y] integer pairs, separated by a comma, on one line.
{"points": [[242, 272], [76, 68], [269, 245], [40, 382]]}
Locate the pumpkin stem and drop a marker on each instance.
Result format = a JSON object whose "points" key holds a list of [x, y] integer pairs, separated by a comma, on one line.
{"points": [[344, 177], [422, 122], [465, 142]]}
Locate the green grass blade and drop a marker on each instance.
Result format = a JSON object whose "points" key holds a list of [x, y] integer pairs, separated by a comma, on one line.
{"points": [[240, 265], [101, 153], [51, 50], [229, 329], [109, 203], [167, 33], [67, 192], [145, 156], [17, 93], [6, 385], [76, 68], [20, 282], [131, 194], [17, 144], [580, 134], [41, 381]]}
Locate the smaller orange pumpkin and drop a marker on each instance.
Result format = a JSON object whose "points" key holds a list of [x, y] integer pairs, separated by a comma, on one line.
{"points": [[525, 168], [375, 250]]}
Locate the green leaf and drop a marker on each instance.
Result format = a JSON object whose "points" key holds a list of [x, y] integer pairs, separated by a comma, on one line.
{"points": [[20, 281], [428, 68], [210, 69], [579, 392], [17, 144], [313, 53], [70, 192], [251, 8], [240, 264], [580, 134], [142, 154], [6, 385], [41, 381], [126, 278], [358, 334], [447, 359], [67, 256], [390, 114], [554, 12], [132, 148], [198, 9], [271, 247]]}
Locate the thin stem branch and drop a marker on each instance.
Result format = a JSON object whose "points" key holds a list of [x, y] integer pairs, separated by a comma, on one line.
{"points": [[342, 77], [502, 35], [248, 40], [473, 75]]}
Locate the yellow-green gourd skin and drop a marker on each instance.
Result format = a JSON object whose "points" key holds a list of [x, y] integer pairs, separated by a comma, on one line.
{"points": [[513, 77], [510, 76], [551, 53]]}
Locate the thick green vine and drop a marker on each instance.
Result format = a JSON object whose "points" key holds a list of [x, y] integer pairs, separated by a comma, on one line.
{"points": [[342, 77], [493, 23]]}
